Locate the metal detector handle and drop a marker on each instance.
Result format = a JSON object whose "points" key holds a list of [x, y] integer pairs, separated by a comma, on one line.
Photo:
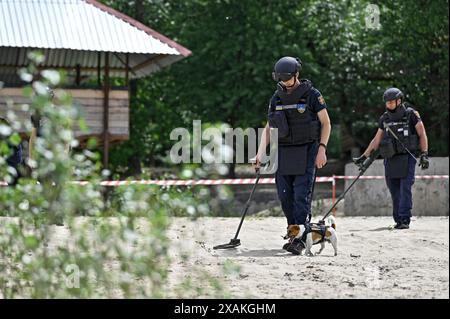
{"points": [[314, 183], [362, 168], [369, 160], [309, 216], [247, 205], [342, 196]]}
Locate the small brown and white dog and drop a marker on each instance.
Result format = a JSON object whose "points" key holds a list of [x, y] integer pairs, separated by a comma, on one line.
{"points": [[315, 234]]}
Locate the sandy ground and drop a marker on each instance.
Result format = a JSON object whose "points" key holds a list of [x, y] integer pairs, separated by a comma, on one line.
{"points": [[373, 260]]}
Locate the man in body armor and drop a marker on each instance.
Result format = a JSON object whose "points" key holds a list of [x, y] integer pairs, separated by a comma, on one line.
{"points": [[400, 134], [299, 112]]}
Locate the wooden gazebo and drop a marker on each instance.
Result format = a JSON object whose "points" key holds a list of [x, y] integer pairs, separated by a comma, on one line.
{"points": [[93, 43]]}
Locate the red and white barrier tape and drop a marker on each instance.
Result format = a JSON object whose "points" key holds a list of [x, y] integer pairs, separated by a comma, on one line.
{"points": [[383, 177], [236, 181], [193, 182]]}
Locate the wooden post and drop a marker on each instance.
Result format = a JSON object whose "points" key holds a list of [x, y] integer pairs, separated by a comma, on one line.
{"points": [[127, 69], [106, 113], [99, 62], [78, 75]]}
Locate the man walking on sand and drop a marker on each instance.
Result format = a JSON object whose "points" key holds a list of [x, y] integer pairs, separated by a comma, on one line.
{"points": [[299, 112], [400, 132]]}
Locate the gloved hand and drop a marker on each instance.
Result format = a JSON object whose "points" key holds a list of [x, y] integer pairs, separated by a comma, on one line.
{"points": [[359, 160], [424, 162], [364, 162]]}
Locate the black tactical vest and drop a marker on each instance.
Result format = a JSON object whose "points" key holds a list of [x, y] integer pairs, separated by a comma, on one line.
{"points": [[399, 124], [297, 124]]}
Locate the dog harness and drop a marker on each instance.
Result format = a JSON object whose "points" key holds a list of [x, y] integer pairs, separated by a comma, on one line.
{"points": [[314, 228]]}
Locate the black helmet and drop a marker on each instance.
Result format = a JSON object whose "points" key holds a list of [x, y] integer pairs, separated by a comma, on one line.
{"points": [[286, 68], [392, 94]]}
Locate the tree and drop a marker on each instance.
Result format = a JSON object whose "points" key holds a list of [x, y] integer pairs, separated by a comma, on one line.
{"points": [[235, 45]]}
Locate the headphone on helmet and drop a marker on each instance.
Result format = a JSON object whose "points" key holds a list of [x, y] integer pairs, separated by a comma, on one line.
{"points": [[299, 64]]}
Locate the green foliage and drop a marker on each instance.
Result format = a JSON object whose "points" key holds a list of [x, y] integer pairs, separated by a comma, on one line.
{"points": [[111, 249], [334, 144]]}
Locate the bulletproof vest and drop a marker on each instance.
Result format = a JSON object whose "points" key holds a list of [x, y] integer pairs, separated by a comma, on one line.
{"points": [[398, 122], [297, 124]]}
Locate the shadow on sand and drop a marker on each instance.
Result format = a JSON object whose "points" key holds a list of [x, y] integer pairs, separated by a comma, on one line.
{"points": [[236, 252], [262, 253], [382, 228]]}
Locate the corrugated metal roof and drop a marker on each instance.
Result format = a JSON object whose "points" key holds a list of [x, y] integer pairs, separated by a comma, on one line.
{"points": [[74, 31], [75, 25]]}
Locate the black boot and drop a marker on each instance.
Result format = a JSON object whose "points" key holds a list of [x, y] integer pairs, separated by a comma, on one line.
{"points": [[296, 247], [404, 224], [285, 246]]}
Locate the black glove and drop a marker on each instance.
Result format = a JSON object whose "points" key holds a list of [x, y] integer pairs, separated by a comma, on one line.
{"points": [[364, 162], [359, 160], [424, 161]]}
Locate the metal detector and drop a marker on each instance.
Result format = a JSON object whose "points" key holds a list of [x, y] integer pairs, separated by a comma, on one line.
{"points": [[363, 167], [234, 242]]}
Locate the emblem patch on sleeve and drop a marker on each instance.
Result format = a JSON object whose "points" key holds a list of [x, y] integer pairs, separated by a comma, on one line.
{"points": [[321, 99], [417, 114]]}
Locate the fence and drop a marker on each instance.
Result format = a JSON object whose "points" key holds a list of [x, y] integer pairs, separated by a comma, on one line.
{"points": [[239, 181]]}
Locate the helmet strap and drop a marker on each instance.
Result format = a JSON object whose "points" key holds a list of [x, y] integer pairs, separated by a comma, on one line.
{"points": [[396, 106], [295, 82], [281, 86]]}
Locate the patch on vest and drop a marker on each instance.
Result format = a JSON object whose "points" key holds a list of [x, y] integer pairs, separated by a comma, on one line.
{"points": [[321, 99], [301, 107]]}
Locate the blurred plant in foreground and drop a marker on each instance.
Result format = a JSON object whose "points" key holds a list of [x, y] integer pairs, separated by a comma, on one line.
{"points": [[113, 250]]}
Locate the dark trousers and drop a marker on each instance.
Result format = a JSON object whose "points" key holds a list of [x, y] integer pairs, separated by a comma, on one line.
{"points": [[294, 191], [14, 161], [401, 193]]}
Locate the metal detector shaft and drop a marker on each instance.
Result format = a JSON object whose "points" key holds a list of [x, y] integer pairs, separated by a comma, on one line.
{"points": [[342, 196], [247, 205], [312, 190], [314, 183]]}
